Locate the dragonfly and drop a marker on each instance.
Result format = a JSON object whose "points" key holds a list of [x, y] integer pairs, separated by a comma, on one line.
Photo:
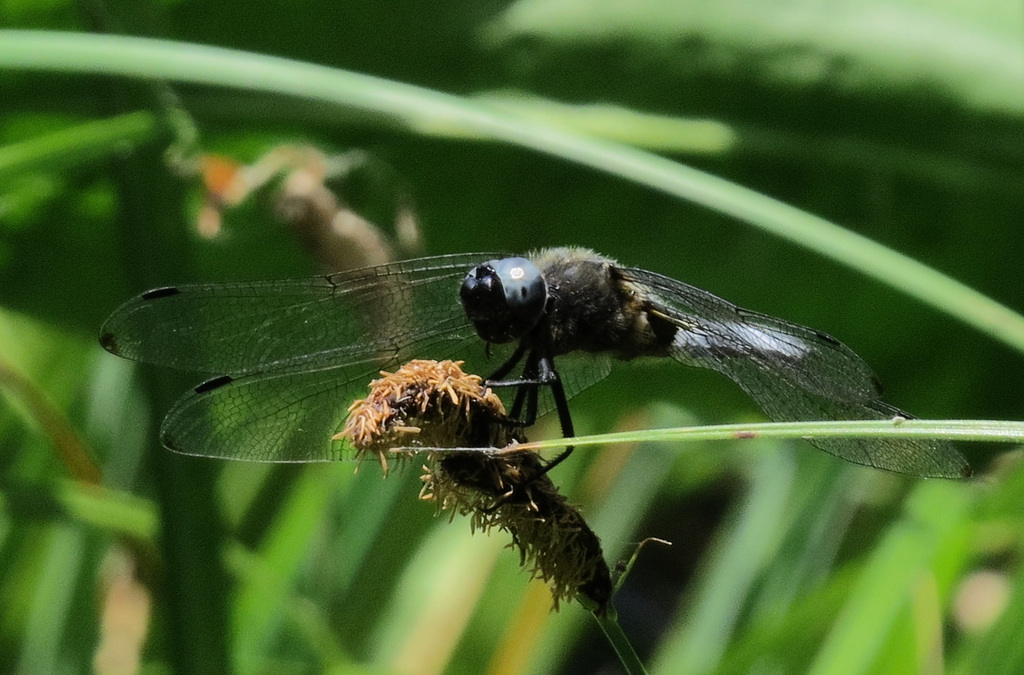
{"points": [[289, 356]]}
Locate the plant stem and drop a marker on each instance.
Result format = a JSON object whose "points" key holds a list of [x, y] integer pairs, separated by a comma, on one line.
{"points": [[609, 623]]}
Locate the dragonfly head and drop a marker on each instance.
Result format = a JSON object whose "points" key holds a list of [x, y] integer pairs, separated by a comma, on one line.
{"points": [[504, 298]]}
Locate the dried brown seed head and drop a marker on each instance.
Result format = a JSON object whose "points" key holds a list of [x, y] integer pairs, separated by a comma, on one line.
{"points": [[426, 404], [434, 405]]}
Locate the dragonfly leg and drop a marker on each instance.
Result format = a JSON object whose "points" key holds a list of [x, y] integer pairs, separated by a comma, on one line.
{"points": [[540, 371], [526, 394], [504, 369], [549, 375]]}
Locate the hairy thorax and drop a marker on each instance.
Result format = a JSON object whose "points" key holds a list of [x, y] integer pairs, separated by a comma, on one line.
{"points": [[593, 307]]}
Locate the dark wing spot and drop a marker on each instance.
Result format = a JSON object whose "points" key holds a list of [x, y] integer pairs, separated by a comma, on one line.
{"points": [[825, 337], [215, 383], [157, 293]]}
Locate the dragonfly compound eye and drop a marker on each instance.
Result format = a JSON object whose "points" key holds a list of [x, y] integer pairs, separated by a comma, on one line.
{"points": [[504, 298]]}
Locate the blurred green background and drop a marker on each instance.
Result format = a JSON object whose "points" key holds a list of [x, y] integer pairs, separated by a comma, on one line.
{"points": [[901, 121]]}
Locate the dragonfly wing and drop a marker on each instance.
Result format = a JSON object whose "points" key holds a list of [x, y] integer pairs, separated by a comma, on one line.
{"points": [[253, 327], [794, 373], [785, 401], [714, 333], [294, 354], [278, 416]]}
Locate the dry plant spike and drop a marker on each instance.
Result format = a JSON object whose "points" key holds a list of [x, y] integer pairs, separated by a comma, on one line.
{"points": [[505, 491], [434, 404], [444, 405]]}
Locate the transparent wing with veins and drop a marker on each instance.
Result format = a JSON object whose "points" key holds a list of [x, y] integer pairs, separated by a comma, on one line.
{"points": [[794, 373], [292, 355]]}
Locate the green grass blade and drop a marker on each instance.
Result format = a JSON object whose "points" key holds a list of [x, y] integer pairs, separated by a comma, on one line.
{"points": [[935, 512], [1001, 431], [268, 579], [60, 573], [77, 144], [433, 113], [700, 639]]}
